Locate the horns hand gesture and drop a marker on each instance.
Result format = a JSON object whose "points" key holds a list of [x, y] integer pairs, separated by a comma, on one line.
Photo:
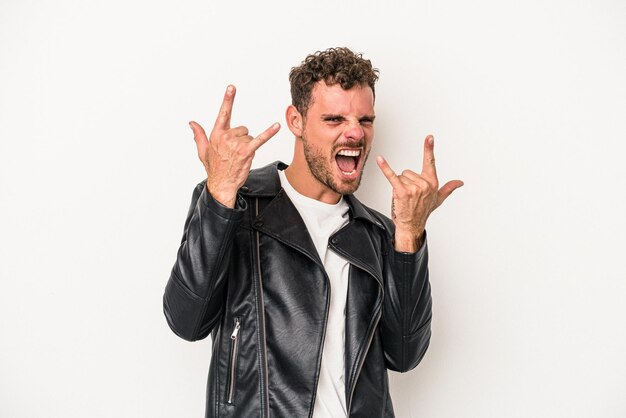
{"points": [[415, 197], [228, 152]]}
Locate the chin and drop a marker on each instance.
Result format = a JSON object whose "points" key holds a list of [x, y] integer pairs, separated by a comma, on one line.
{"points": [[342, 186]]}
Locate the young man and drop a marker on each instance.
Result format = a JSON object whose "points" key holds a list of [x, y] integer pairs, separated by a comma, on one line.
{"points": [[309, 295]]}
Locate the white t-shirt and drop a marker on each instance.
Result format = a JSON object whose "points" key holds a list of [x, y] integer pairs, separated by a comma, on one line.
{"points": [[322, 220]]}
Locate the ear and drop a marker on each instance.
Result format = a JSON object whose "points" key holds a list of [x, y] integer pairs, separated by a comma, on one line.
{"points": [[295, 121]]}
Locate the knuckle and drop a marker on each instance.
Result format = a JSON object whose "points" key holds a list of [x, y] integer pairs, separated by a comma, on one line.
{"points": [[242, 151], [400, 192], [431, 185], [240, 131]]}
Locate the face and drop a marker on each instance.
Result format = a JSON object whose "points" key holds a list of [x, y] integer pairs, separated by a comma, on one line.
{"points": [[337, 135]]}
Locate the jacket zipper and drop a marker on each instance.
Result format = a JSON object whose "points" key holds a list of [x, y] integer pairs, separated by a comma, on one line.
{"points": [[370, 337], [234, 345], [265, 398], [319, 358], [361, 361]]}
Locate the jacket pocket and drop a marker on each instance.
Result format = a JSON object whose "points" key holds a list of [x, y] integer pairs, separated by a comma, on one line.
{"points": [[232, 369]]}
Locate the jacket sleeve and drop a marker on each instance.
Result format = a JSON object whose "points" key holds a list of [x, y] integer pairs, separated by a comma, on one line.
{"points": [[195, 292], [407, 308]]}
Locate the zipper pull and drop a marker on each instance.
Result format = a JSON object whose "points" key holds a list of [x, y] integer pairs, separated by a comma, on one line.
{"points": [[236, 330]]}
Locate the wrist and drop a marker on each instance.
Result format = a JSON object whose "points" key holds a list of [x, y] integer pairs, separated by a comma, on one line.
{"points": [[408, 241], [227, 199]]}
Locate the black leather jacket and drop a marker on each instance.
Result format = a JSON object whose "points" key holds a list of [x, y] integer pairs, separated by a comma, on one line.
{"points": [[252, 277]]}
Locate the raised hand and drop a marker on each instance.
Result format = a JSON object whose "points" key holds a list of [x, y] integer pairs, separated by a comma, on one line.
{"points": [[228, 152], [415, 197]]}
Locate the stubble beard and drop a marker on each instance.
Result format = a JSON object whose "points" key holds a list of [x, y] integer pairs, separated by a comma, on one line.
{"points": [[320, 169]]}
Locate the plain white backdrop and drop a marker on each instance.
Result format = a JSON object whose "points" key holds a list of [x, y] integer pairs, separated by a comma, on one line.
{"points": [[527, 103]]}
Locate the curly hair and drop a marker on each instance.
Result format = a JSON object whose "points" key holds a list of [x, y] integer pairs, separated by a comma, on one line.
{"points": [[334, 66]]}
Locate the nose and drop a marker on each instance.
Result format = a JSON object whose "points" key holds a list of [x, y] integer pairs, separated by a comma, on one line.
{"points": [[354, 132]]}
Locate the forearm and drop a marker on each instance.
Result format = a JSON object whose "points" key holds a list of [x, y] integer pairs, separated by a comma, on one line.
{"points": [[405, 326], [193, 296]]}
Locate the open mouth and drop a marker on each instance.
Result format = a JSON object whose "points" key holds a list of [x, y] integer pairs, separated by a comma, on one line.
{"points": [[348, 160]]}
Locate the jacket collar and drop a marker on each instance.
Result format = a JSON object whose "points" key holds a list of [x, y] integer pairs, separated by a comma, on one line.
{"points": [[264, 182]]}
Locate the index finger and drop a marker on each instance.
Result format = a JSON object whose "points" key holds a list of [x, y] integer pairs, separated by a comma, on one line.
{"points": [[265, 136], [428, 165], [388, 172], [223, 118]]}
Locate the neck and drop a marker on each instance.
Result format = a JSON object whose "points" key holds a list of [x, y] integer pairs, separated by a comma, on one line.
{"points": [[303, 181]]}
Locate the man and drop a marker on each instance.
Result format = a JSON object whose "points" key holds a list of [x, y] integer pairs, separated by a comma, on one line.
{"points": [[309, 295]]}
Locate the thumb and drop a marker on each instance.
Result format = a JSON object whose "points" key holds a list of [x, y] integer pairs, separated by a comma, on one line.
{"points": [[199, 136]]}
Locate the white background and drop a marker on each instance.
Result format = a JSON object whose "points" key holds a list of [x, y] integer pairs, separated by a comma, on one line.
{"points": [[527, 102]]}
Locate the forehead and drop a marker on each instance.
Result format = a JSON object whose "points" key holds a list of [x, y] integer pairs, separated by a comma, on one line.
{"points": [[333, 99]]}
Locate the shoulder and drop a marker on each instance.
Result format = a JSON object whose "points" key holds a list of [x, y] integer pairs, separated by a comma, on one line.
{"points": [[372, 216], [263, 181], [387, 223]]}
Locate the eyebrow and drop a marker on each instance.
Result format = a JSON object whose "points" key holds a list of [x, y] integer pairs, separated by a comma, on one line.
{"points": [[332, 116], [336, 116]]}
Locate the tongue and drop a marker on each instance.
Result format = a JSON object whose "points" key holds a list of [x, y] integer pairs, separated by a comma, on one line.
{"points": [[346, 164]]}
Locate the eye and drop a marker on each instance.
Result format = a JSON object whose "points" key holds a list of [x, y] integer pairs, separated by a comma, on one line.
{"points": [[333, 119], [367, 121]]}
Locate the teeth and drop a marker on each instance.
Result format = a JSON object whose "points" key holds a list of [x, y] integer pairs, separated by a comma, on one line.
{"points": [[350, 153], [351, 172]]}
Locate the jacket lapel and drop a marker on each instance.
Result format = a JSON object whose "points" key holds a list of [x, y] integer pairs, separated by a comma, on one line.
{"points": [[281, 220], [360, 247]]}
